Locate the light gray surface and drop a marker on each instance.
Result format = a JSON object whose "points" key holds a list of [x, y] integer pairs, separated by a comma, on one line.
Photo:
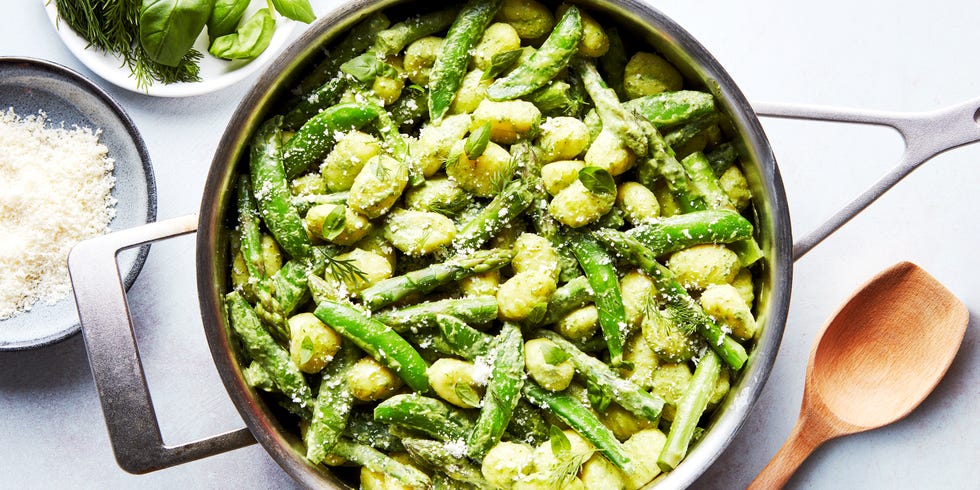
{"points": [[886, 55]]}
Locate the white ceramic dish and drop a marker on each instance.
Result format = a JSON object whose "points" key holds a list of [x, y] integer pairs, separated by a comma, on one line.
{"points": [[215, 73]]}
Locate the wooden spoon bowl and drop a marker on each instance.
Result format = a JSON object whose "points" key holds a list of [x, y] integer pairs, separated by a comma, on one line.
{"points": [[873, 363]]}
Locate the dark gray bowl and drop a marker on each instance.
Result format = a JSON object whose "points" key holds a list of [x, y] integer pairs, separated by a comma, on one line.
{"points": [[32, 85]]}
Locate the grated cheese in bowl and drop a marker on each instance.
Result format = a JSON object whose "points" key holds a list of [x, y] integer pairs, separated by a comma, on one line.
{"points": [[55, 190]]}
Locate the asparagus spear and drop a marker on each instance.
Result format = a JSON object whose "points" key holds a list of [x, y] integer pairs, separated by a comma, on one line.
{"points": [[571, 296], [663, 164], [377, 340], [686, 308], [689, 411], [360, 39], [477, 309], [363, 429], [628, 395], [388, 291], [581, 420], [332, 406], [426, 415], [374, 460], [703, 177], [264, 350], [503, 391], [623, 122], [436, 455], [268, 308], [510, 203], [601, 273]]}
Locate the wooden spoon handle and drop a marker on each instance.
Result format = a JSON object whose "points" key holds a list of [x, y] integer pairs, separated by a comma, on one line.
{"points": [[801, 442]]}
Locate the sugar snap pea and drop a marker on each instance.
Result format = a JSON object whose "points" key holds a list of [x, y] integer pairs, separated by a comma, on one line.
{"points": [[668, 235], [581, 420], [392, 40], [552, 57], [309, 105], [271, 191], [450, 65], [315, 138], [668, 109], [378, 340], [503, 391], [601, 273]]}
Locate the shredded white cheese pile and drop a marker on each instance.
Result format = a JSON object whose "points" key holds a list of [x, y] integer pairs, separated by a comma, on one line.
{"points": [[55, 186]]}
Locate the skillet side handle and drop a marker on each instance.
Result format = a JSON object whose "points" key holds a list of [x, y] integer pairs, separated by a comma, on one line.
{"points": [[110, 342], [926, 134]]}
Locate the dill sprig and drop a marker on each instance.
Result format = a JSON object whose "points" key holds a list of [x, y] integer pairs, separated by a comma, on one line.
{"points": [[345, 270], [113, 27], [568, 465]]}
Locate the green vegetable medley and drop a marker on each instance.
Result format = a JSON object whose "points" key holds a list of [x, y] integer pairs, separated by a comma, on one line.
{"points": [[155, 38], [489, 246]]}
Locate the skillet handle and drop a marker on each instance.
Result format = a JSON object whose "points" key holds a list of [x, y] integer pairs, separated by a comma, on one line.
{"points": [[114, 357], [926, 135]]}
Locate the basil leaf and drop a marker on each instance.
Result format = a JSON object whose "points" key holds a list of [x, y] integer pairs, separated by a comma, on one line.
{"points": [[467, 394], [295, 9], [367, 67], [335, 223], [168, 28], [560, 445], [597, 180], [225, 17], [477, 142], [500, 62], [306, 348], [249, 41], [598, 398], [553, 355]]}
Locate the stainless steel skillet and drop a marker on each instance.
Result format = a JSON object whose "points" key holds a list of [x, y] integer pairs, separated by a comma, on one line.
{"points": [[115, 360]]}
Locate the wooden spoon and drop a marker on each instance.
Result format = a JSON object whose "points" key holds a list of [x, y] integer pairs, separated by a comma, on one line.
{"points": [[875, 361]]}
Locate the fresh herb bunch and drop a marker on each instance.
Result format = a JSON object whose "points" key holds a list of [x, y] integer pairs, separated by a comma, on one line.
{"points": [[112, 25]]}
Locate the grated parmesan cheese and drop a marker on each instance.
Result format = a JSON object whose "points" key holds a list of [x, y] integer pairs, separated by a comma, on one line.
{"points": [[55, 186]]}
